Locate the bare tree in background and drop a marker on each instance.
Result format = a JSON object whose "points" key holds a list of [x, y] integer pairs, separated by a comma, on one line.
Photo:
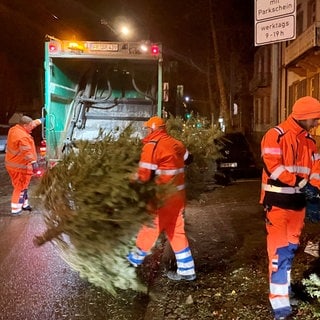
{"points": [[224, 108]]}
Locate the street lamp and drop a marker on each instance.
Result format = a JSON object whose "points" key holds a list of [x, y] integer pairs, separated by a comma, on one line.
{"points": [[125, 31], [222, 124], [122, 30]]}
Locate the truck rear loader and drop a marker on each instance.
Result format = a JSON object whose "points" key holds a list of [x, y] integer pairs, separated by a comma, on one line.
{"points": [[93, 87]]}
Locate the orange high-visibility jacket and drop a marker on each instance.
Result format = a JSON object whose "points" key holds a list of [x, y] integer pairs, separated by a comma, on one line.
{"points": [[163, 157], [21, 150], [288, 152]]}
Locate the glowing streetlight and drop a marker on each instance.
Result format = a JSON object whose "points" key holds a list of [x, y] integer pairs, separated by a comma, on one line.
{"points": [[121, 30], [120, 27], [125, 31]]}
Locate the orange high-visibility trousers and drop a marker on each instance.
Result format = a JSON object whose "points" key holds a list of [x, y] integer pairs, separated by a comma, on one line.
{"points": [[284, 228], [168, 218], [20, 182]]}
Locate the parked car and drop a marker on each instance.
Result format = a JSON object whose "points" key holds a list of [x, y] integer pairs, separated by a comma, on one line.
{"points": [[237, 161], [3, 137]]}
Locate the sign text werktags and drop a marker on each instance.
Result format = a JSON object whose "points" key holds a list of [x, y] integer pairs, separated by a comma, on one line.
{"points": [[275, 21]]}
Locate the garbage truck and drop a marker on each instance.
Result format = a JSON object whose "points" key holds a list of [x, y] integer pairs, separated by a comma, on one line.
{"points": [[97, 86]]}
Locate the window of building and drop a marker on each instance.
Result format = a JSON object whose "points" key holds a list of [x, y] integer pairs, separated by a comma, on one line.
{"points": [[302, 88], [268, 58], [313, 86], [299, 20], [266, 110], [260, 64], [311, 12], [293, 95], [257, 113]]}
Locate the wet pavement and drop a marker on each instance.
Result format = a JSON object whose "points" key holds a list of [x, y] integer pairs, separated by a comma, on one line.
{"points": [[37, 284]]}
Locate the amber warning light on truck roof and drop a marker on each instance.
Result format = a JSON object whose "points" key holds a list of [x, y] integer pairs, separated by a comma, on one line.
{"points": [[75, 46]]}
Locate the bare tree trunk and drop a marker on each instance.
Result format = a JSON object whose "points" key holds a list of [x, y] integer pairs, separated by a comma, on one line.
{"points": [[209, 82], [224, 108]]}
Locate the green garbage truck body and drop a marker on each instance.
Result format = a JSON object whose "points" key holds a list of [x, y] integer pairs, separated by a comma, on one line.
{"points": [[93, 87]]}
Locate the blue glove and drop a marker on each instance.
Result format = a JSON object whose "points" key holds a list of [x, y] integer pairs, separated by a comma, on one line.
{"points": [[313, 210], [310, 191], [43, 120]]}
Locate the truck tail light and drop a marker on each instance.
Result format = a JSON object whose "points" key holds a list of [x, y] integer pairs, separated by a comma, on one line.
{"points": [[155, 49], [53, 47], [43, 148]]}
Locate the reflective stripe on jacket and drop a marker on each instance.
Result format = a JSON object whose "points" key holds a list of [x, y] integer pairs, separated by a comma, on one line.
{"points": [[162, 157], [21, 150], [288, 152]]}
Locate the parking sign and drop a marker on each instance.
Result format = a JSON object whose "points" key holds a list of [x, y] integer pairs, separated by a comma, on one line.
{"points": [[275, 21]]}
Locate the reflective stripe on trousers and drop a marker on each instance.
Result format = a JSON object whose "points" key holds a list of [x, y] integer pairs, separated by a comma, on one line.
{"points": [[21, 202], [280, 280], [20, 182], [185, 263], [136, 256], [284, 228]]}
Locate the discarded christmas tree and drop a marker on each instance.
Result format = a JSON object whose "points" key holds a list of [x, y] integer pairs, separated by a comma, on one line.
{"points": [[199, 136], [93, 210]]}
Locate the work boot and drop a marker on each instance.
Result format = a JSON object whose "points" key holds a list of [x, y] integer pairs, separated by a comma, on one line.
{"points": [[172, 275], [288, 317], [131, 262], [294, 301], [27, 208], [16, 213]]}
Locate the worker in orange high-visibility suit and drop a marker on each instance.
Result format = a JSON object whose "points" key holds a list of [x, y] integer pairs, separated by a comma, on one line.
{"points": [[21, 162], [290, 177], [163, 158]]}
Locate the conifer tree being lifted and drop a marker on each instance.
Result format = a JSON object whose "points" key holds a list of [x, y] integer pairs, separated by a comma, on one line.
{"points": [[92, 210]]}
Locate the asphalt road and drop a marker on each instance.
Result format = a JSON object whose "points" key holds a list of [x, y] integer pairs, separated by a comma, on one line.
{"points": [[35, 283]]}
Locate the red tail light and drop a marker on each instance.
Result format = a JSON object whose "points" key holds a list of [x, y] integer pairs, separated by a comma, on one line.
{"points": [[39, 173], [155, 49], [43, 148]]}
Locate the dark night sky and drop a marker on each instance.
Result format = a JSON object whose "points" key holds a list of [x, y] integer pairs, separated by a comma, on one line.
{"points": [[181, 26]]}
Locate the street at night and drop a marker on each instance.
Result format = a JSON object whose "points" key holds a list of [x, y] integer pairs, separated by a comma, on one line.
{"points": [[227, 236], [173, 152], [38, 284]]}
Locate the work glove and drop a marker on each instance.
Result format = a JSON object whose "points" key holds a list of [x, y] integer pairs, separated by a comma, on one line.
{"points": [[35, 167], [189, 160], [313, 210], [308, 189]]}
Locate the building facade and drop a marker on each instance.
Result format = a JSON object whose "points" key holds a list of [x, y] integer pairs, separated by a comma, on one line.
{"points": [[286, 71]]}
